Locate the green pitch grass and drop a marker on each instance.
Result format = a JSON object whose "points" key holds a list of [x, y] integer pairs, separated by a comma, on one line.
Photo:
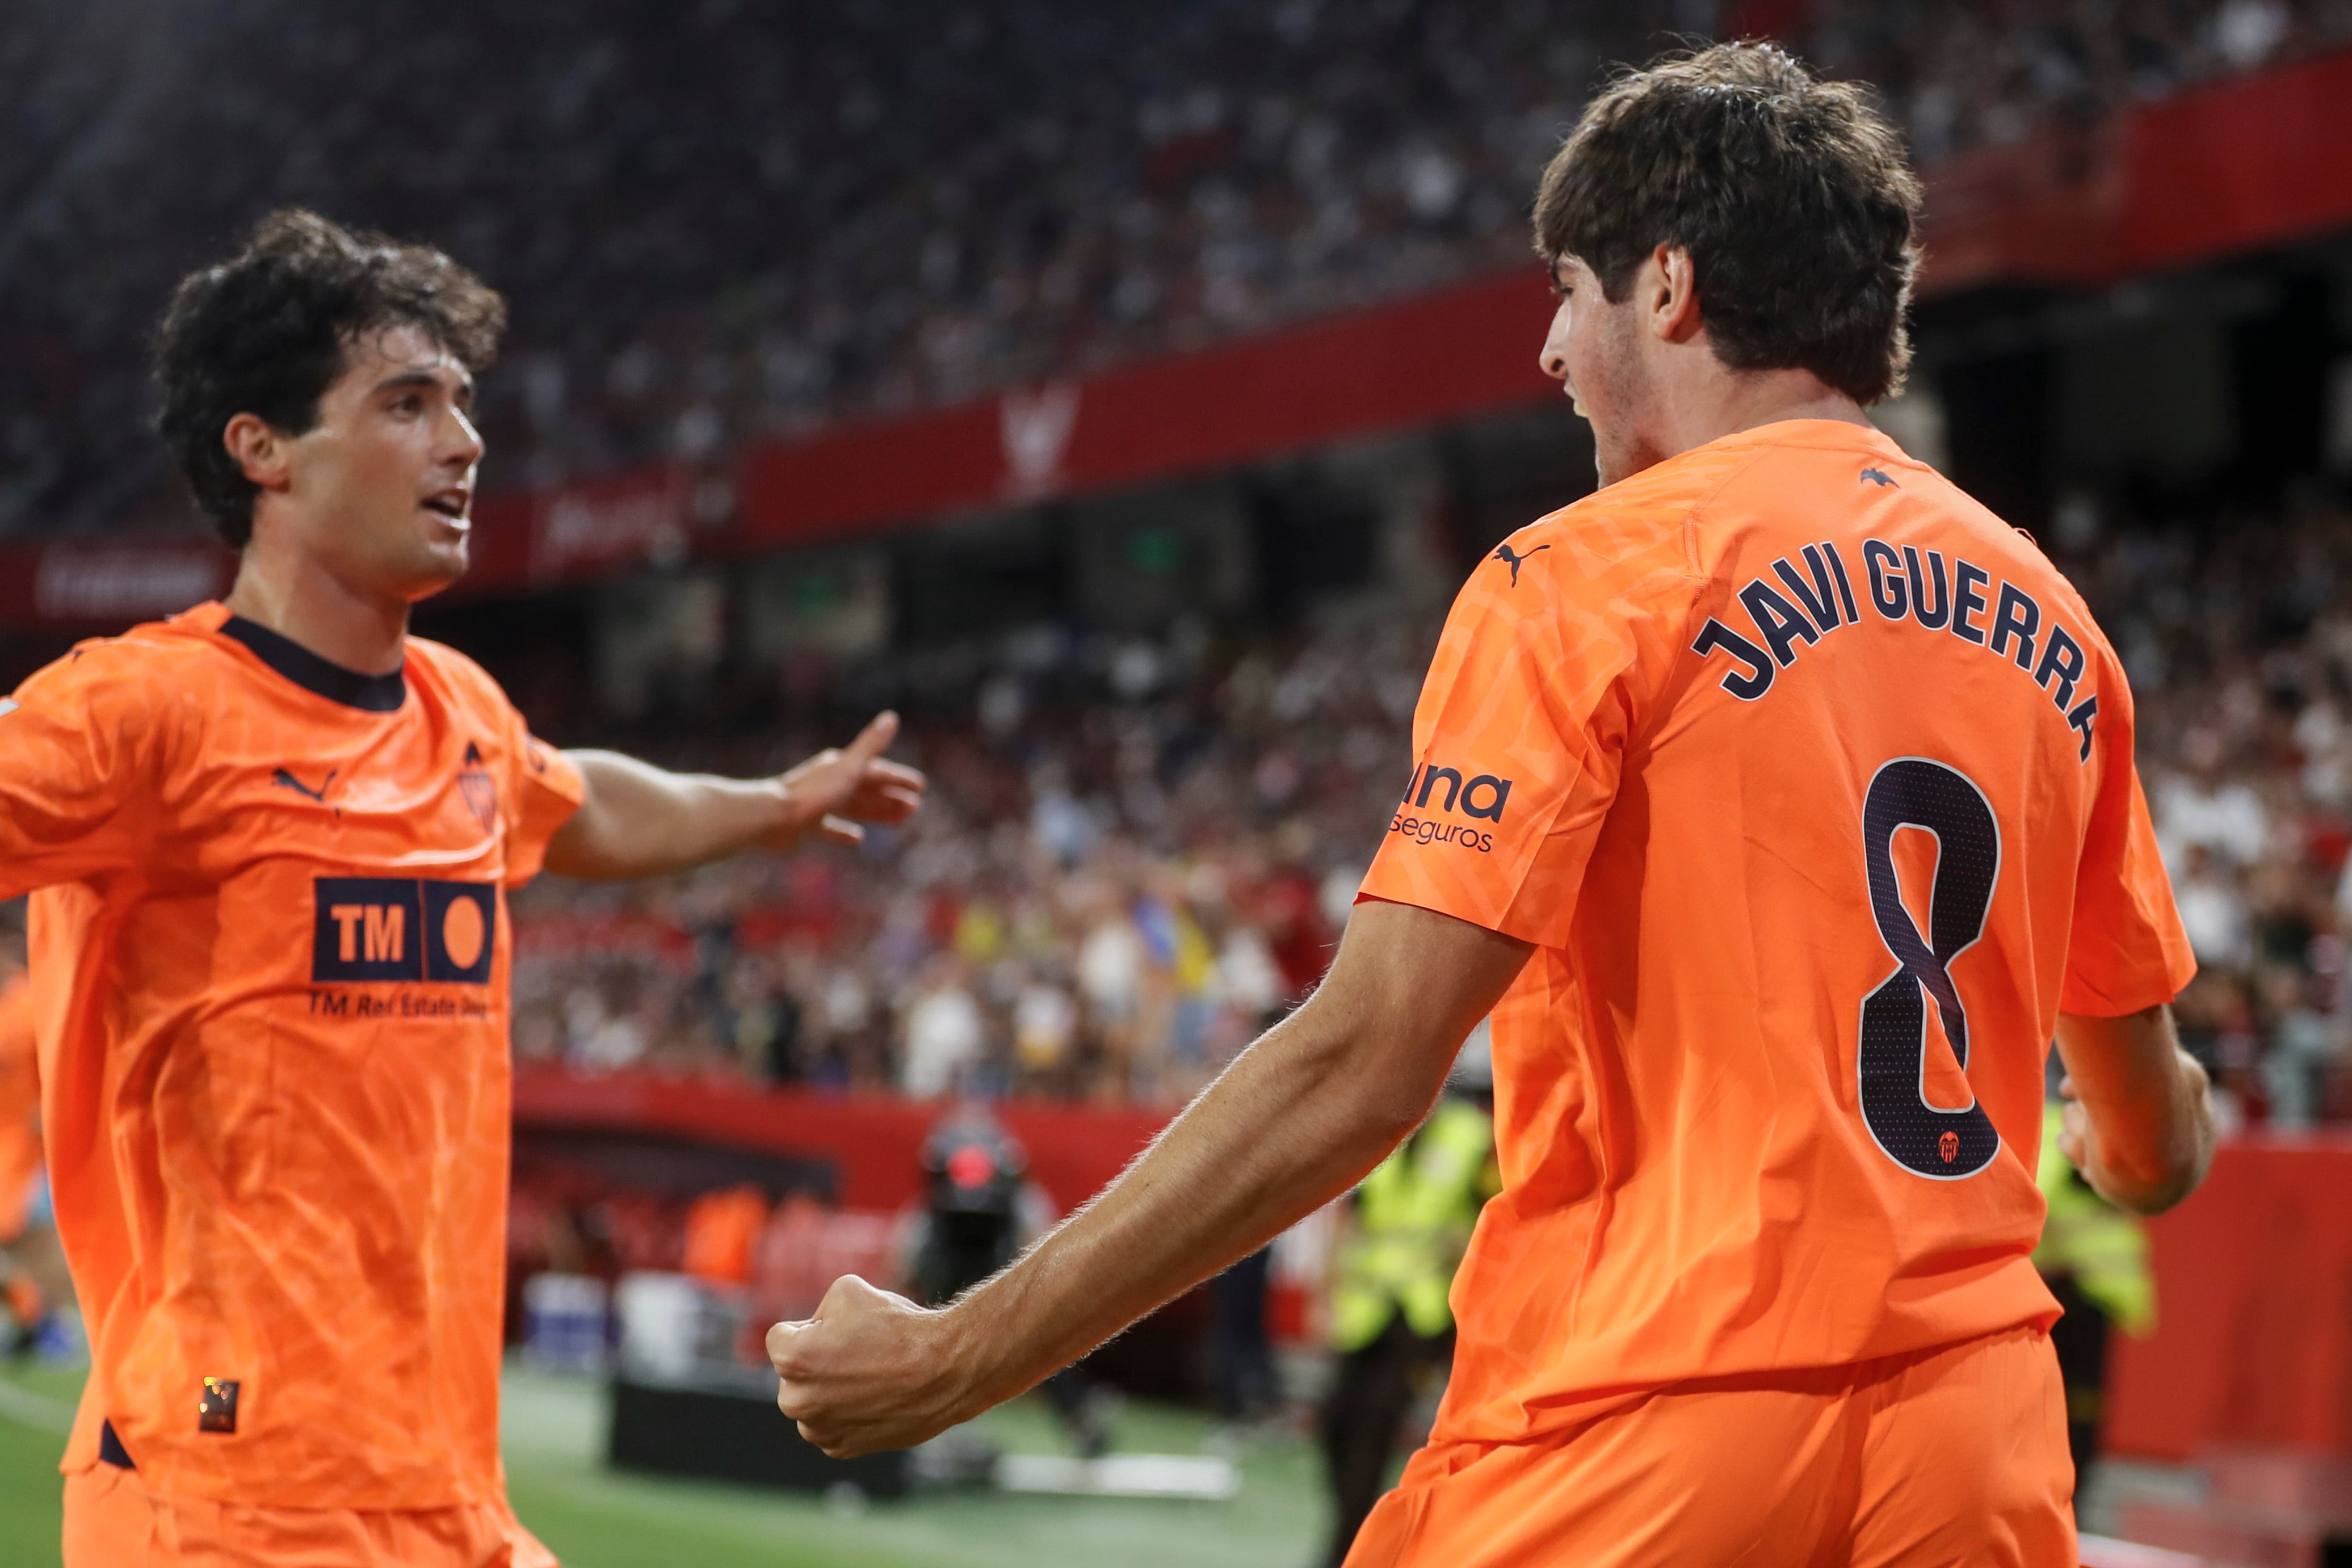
{"points": [[36, 1408], [596, 1518]]}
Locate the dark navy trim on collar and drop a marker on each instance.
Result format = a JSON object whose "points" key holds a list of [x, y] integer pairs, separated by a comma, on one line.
{"points": [[370, 694]]}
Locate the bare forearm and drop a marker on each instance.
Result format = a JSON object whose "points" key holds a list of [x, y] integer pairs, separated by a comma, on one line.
{"points": [[2150, 1119], [1282, 1132], [640, 820], [1298, 1117], [637, 819]]}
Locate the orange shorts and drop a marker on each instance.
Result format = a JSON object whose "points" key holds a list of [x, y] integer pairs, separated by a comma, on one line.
{"points": [[113, 1521], [1950, 1455]]}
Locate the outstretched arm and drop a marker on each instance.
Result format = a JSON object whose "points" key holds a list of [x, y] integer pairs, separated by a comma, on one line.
{"points": [[2138, 1122], [1297, 1119], [639, 821]]}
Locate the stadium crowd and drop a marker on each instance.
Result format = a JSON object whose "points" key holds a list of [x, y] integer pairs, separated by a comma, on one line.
{"points": [[2237, 633], [1124, 873], [1122, 876], [715, 224]]}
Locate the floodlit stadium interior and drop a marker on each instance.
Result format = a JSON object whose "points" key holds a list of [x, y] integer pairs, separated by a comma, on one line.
{"points": [[1121, 395]]}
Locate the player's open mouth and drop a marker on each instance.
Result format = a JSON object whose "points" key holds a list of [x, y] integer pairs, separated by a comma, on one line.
{"points": [[452, 505]]}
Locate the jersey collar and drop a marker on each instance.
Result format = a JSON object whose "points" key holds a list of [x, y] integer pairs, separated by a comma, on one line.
{"points": [[370, 694], [1815, 433]]}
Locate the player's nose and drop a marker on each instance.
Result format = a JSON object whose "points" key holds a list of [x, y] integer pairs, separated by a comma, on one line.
{"points": [[461, 443], [1554, 358]]}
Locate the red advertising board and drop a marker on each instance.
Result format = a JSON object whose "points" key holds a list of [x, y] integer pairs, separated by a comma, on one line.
{"points": [[2252, 1344]]}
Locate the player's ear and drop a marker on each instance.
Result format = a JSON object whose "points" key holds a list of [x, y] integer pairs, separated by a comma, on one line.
{"points": [[260, 450], [1669, 295]]}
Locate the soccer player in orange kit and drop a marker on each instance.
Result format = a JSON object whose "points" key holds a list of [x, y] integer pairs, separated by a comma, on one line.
{"points": [[1778, 801], [268, 843], [32, 1270]]}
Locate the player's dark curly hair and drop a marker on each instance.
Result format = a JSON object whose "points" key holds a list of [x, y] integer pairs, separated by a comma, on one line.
{"points": [[1793, 195], [265, 332]]}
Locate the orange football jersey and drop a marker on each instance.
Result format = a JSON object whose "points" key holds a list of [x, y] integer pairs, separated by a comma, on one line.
{"points": [[1811, 782], [269, 949], [20, 1108]]}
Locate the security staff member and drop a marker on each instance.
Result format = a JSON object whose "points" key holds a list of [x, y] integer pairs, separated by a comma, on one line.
{"points": [[2094, 1258], [1391, 1321]]}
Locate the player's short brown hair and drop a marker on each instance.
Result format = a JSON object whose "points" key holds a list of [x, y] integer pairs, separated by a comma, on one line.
{"points": [[265, 332], [1793, 195]]}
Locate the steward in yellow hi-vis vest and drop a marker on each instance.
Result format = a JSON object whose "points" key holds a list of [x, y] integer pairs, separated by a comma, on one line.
{"points": [[1391, 1321], [2094, 1257], [1414, 1217]]}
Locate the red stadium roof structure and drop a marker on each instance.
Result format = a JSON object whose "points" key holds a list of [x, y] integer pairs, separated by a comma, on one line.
{"points": [[2222, 170]]}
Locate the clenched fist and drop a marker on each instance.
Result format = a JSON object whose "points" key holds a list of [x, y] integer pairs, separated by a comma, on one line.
{"points": [[871, 1371]]}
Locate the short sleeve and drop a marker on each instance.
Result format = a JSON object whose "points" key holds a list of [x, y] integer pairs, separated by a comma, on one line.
{"points": [[547, 788], [2127, 951], [79, 771], [1517, 743]]}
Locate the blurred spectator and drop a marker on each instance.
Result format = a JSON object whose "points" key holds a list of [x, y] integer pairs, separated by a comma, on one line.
{"points": [[2200, 807], [2307, 1041], [945, 1033], [603, 1036], [1045, 1026], [722, 1234], [1112, 975], [2212, 909], [1245, 1385], [765, 1022]]}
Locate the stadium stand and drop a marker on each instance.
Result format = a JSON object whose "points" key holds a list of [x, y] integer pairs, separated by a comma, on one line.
{"points": [[1139, 847], [1125, 871], [709, 235]]}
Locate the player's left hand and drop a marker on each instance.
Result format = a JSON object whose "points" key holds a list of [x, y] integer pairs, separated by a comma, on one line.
{"points": [[842, 786], [870, 1371], [2073, 1125], [2076, 1140]]}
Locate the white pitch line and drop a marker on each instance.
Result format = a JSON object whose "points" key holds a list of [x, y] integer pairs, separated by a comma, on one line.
{"points": [[2098, 1552], [39, 1411]]}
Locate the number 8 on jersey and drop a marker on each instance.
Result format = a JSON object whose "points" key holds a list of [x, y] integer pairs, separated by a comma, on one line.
{"points": [[1911, 791]]}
